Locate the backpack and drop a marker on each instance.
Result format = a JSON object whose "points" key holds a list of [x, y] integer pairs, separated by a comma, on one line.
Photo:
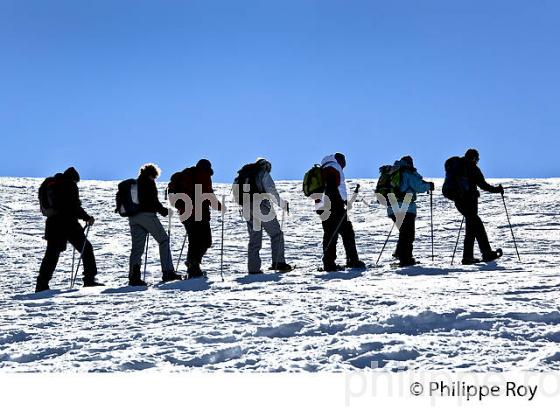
{"points": [[182, 182], [46, 196], [127, 198], [313, 181], [247, 175], [389, 182], [456, 183]]}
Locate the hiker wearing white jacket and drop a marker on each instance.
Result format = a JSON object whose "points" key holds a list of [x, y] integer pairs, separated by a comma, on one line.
{"points": [[337, 223]]}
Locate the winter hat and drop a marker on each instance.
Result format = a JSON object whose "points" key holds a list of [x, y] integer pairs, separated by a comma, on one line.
{"points": [[472, 154], [205, 165], [341, 159], [72, 174]]}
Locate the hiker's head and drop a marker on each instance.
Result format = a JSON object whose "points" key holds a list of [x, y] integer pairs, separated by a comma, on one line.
{"points": [[472, 155], [264, 164], [205, 165], [341, 159], [72, 174], [407, 159], [150, 171]]}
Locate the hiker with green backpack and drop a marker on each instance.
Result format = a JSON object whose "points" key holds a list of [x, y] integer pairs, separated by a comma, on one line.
{"points": [[397, 188]]}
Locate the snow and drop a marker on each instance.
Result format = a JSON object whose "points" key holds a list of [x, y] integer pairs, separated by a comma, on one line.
{"points": [[489, 317]]}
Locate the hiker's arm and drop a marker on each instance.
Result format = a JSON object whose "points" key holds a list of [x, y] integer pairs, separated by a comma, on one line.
{"points": [[417, 184], [270, 188], [482, 184]]}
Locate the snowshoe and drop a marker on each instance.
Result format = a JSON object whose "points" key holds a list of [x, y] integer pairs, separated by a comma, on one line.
{"points": [[257, 272], [408, 262], [492, 255]]}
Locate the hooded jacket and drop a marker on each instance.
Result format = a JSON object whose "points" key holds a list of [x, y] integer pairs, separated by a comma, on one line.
{"points": [[476, 180], [265, 183]]}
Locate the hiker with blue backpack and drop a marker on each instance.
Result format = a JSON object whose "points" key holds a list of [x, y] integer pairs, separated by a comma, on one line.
{"points": [[463, 177], [138, 200], [403, 182]]}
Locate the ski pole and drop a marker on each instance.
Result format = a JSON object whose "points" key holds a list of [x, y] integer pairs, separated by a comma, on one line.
{"points": [[74, 275], [432, 221], [222, 241], [146, 255], [510, 227], [385, 244], [344, 216], [181, 253], [457, 243]]}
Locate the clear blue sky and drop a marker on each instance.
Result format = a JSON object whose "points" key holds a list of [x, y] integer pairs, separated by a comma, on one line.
{"points": [[108, 85]]}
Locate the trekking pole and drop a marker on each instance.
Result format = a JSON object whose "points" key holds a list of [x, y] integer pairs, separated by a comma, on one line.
{"points": [[457, 243], [432, 221], [74, 258], [344, 216], [181, 253], [510, 227], [385, 244], [146, 256], [222, 241], [74, 275]]}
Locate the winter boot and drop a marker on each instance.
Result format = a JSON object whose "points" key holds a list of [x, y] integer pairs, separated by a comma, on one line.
{"points": [[89, 281], [41, 285], [135, 277], [170, 276], [357, 264], [281, 267], [407, 262], [470, 261], [492, 255], [193, 270], [257, 272], [332, 268]]}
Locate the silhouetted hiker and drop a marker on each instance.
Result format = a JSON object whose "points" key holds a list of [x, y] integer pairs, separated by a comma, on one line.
{"points": [[145, 222], [196, 181], [463, 178], [400, 179], [255, 190], [337, 223], [60, 202]]}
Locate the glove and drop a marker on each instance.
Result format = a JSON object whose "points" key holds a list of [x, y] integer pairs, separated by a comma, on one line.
{"points": [[432, 186], [164, 212], [500, 189], [90, 221]]}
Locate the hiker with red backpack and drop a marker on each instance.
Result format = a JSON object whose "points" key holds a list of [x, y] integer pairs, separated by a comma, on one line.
{"points": [[255, 190], [398, 185], [60, 202], [463, 177], [196, 183]]}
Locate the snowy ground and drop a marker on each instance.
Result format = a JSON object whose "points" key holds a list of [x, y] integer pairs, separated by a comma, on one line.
{"points": [[493, 317]]}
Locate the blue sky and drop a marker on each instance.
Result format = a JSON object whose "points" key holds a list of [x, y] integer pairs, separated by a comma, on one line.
{"points": [[108, 85]]}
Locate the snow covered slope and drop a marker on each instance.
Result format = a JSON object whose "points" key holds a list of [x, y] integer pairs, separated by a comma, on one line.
{"points": [[500, 316]]}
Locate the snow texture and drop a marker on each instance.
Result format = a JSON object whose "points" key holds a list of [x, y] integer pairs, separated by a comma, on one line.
{"points": [[489, 317]]}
